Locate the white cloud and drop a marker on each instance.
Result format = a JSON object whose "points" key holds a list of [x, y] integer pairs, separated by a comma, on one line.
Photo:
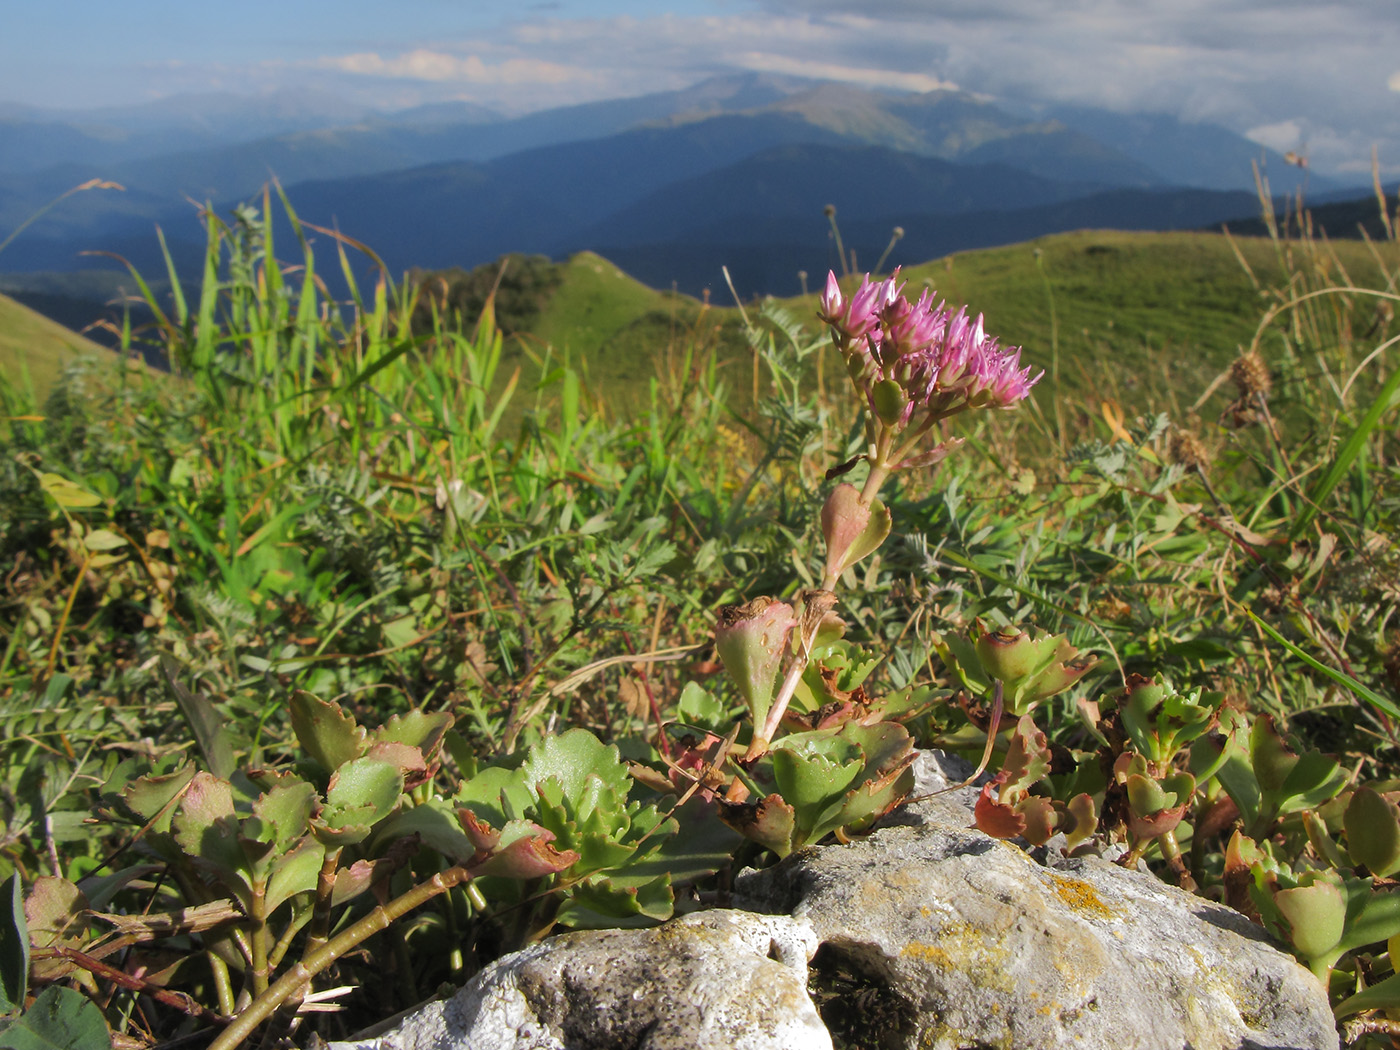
{"points": [[439, 67], [1281, 136], [766, 62], [1394, 82]]}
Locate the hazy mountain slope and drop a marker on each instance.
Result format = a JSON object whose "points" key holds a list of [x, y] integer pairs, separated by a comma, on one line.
{"points": [[1188, 154], [765, 253], [535, 201], [32, 138], [800, 180]]}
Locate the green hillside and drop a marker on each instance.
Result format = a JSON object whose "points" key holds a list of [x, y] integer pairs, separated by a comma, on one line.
{"points": [[31, 344], [620, 332]]}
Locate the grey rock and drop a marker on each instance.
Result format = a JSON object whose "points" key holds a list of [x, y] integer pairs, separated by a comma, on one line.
{"points": [[714, 980], [965, 941]]}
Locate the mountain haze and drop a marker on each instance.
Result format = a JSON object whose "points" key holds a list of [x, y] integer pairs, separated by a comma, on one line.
{"points": [[735, 170]]}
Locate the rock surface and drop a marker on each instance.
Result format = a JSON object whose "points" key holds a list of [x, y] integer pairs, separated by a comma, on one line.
{"points": [[982, 947], [925, 934], [711, 981]]}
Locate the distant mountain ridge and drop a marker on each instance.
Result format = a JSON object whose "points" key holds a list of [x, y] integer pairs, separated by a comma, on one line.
{"points": [[677, 181]]}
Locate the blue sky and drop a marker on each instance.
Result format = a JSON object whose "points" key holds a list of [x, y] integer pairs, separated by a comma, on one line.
{"points": [[1324, 77]]}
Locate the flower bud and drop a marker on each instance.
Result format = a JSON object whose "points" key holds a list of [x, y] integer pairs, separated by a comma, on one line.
{"points": [[852, 528]]}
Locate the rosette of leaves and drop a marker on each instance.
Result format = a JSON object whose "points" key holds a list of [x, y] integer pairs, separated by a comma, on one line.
{"points": [[1007, 808], [577, 791], [1157, 798], [1158, 721], [840, 780], [1032, 666], [831, 684]]}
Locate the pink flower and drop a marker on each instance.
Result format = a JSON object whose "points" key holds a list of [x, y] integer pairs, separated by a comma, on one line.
{"points": [[943, 362]]}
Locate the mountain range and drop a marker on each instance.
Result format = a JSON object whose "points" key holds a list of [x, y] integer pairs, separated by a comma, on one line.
{"points": [[735, 171]]}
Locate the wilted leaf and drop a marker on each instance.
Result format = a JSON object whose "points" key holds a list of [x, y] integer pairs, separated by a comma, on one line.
{"points": [[770, 822], [525, 851], [66, 493]]}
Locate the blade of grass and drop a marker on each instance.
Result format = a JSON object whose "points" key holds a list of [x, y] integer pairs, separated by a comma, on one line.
{"points": [[1346, 681]]}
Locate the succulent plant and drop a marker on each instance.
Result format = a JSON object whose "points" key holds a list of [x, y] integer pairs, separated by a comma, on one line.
{"points": [[1031, 665]]}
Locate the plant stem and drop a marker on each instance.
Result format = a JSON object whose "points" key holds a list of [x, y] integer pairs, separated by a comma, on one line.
{"points": [[258, 914], [292, 981], [223, 986]]}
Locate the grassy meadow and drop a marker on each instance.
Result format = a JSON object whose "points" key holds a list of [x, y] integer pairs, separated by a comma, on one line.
{"points": [[355, 567]]}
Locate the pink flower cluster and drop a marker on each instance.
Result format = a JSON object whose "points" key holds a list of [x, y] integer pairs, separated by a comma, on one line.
{"points": [[941, 362]]}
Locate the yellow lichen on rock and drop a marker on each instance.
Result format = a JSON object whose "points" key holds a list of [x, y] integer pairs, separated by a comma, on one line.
{"points": [[1081, 896]]}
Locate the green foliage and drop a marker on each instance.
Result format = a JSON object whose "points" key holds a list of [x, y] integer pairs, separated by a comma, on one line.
{"points": [[14, 946], [511, 600], [517, 287], [58, 1019]]}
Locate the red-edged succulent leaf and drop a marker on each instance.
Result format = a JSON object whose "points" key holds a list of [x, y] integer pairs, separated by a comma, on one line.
{"points": [[996, 818], [530, 856], [406, 758], [207, 829], [152, 798], [417, 729], [852, 527], [752, 640], [1028, 756]]}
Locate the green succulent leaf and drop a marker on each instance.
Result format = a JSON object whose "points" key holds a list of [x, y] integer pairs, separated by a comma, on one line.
{"points": [[286, 810], [1271, 759], [434, 822], [150, 798], [1315, 914], [416, 729], [325, 731], [571, 758], [1383, 995], [1372, 824], [699, 707], [812, 769], [207, 829], [365, 784], [296, 872], [601, 903]]}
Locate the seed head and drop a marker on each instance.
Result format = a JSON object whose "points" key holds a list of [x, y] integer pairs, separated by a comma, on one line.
{"points": [[1251, 376]]}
